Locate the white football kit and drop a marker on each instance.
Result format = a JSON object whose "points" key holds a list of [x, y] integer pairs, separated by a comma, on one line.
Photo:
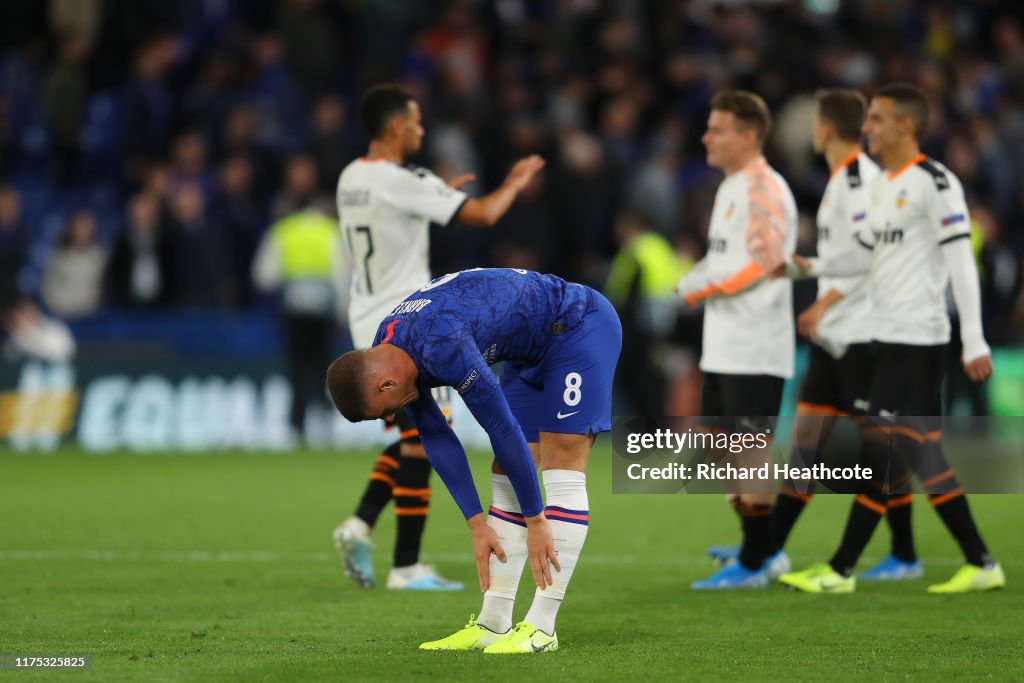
{"points": [[920, 232], [385, 211], [842, 212], [748, 317], [918, 235]]}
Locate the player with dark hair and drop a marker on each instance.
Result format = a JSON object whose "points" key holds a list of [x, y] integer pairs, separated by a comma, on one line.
{"points": [[559, 342], [916, 241], [385, 210]]}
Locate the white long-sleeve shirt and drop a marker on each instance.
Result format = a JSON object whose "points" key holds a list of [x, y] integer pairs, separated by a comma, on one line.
{"points": [[748, 318], [842, 212], [919, 237]]}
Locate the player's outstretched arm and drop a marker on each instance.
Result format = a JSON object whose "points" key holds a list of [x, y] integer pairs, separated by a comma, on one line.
{"points": [[747, 277], [856, 260], [487, 210]]}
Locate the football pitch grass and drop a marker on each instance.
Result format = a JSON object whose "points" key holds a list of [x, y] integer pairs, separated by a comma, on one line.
{"points": [[221, 567]]}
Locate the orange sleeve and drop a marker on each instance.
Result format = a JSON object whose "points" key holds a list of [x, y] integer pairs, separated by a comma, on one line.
{"points": [[747, 276], [732, 285], [767, 223]]}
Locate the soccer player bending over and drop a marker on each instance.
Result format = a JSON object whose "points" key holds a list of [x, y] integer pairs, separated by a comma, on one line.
{"points": [[559, 342], [919, 240], [386, 209]]}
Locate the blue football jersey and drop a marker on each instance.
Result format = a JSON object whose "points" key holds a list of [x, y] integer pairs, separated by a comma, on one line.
{"points": [[456, 326]]}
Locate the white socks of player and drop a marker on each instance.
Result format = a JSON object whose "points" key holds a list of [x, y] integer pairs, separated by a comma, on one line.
{"points": [[568, 512], [506, 518]]}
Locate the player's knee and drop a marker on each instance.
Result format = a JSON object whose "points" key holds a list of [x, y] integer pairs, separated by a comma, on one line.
{"points": [[412, 447], [809, 432], [762, 498], [565, 451], [496, 467]]}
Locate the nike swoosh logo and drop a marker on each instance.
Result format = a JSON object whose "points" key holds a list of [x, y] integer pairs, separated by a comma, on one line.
{"points": [[562, 417], [544, 646]]}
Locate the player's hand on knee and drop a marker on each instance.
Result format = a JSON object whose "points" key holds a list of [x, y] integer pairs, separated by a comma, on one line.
{"points": [[540, 544], [485, 542]]}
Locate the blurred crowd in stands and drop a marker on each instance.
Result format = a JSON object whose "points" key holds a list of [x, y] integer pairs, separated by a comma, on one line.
{"points": [[146, 146]]}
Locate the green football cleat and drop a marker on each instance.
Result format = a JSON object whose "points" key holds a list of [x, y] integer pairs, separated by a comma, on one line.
{"points": [[970, 578], [472, 636], [523, 638], [819, 578]]}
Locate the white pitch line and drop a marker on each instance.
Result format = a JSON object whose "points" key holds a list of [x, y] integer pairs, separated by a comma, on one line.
{"points": [[186, 556]]}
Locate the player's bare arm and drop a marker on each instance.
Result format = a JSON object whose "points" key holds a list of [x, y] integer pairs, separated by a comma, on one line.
{"points": [[458, 182], [487, 210], [808, 321]]}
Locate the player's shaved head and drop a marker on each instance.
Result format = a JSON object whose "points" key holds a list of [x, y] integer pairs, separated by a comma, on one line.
{"points": [[379, 104], [346, 380], [910, 102], [372, 383], [845, 109]]}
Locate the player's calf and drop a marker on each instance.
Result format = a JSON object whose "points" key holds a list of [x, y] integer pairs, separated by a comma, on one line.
{"points": [[506, 518]]}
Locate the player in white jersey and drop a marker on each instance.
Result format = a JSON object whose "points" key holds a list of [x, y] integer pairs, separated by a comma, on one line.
{"points": [[918, 242], [836, 383], [839, 323], [748, 343], [385, 210]]}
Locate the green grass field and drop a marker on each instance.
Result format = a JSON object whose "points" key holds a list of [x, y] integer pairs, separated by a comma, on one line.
{"points": [[221, 567]]}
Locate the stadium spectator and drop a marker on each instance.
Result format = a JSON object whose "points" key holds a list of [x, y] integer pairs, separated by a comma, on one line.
{"points": [[610, 92], [149, 100], [73, 282], [64, 98], [301, 256], [641, 285], [1001, 277], [300, 188], [188, 163], [26, 330], [311, 44], [239, 137], [14, 243], [242, 218], [328, 144], [198, 277], [139, 269], [76, 16]]}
